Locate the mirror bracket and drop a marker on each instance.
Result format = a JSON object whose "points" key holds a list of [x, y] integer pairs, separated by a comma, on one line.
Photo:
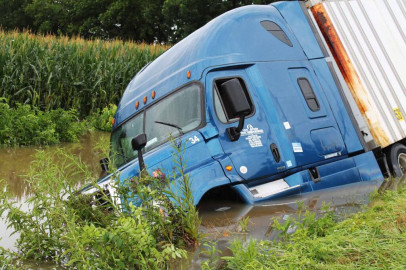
{"points": [[235, 132], [232, 92], [138, 143], [141, 161]]}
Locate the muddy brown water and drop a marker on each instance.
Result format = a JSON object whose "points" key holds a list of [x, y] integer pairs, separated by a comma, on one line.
{"points": [[222, 221], [15, 161]]}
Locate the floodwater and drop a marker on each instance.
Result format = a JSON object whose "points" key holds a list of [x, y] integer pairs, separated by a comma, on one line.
{"points": [[15, 161], [222, 221]]}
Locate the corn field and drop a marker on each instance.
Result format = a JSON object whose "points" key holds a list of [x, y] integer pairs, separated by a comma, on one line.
{"points": [[51, 72]]}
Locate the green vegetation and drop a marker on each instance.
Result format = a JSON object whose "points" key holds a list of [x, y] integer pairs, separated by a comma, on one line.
{"points": [[149, 21], [4, 259], [26, 125], [92, 232], [374, 239], [103, 119], [243, 224], [50, 72], [177, 219], [48, 84]]}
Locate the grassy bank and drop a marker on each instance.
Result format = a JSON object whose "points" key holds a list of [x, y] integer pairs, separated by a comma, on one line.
{"points": [[50, 72], [374, 239]]}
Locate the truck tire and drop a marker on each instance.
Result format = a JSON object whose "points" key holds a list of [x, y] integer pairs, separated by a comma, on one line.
{"points": [[397, 159]]}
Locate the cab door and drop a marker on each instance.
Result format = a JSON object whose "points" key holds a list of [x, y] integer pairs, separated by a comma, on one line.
{"points": [[255, 154], [304, 113]]}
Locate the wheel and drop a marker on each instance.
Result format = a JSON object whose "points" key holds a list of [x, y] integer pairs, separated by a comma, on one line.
{"points": [[397, 159]]}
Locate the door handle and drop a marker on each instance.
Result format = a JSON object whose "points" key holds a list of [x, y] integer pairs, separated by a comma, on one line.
{"points": [[275, 152]]}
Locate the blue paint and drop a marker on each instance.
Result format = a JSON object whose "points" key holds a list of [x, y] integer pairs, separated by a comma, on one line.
{"points": [[327, 140], [345, 171], [368, 167], [211, 46], [297, 23], [236, 45]]}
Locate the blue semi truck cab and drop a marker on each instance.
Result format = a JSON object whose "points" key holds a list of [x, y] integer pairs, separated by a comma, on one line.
{"points": [[254, 97]]}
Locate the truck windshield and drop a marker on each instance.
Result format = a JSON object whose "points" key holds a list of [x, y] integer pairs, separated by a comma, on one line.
{"points": [[174, 115]]}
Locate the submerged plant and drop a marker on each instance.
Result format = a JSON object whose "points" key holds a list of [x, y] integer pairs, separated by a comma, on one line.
{"points": [[210, 250], [243, 224]]}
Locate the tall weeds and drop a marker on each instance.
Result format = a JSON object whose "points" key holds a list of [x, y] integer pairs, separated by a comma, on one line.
{"points": [[103, 230], [59, 72], [177, 218]]}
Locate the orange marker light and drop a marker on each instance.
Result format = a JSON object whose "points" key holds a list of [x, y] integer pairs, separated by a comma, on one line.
{"points": [[145, 100], [137, 104], [113, 121], [153, 94], [229, 168], [188, 74]]}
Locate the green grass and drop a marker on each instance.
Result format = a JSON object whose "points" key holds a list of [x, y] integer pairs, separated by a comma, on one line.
{"points": [[51, 72]]}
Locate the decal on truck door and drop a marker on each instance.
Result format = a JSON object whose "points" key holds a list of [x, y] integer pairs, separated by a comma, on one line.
{"points": [[286, 125], [243, 169], [297, 147], [251, 134]]}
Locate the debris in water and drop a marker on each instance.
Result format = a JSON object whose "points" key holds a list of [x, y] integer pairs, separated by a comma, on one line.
{"points": [[222, 209]]}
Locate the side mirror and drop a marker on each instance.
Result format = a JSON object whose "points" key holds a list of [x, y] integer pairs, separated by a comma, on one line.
{"points": [[138, 143], [233, 93], [104, 164]]}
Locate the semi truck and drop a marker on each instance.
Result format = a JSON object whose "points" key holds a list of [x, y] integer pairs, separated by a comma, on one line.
{"points": [[273, 100]]}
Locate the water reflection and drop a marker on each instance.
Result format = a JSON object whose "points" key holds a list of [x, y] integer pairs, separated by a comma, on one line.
{"points": [[222, 220], [15, 162]]}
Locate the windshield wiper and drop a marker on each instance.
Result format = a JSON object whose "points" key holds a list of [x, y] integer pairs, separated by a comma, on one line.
{"points": [[171, 125]]}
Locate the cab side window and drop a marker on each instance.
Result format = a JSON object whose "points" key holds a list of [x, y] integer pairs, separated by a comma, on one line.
{"points": [[308, 94], [220, 102]]}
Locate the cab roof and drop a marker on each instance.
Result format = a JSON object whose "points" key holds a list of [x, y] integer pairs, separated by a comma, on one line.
{"points": [[236, 37]]}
